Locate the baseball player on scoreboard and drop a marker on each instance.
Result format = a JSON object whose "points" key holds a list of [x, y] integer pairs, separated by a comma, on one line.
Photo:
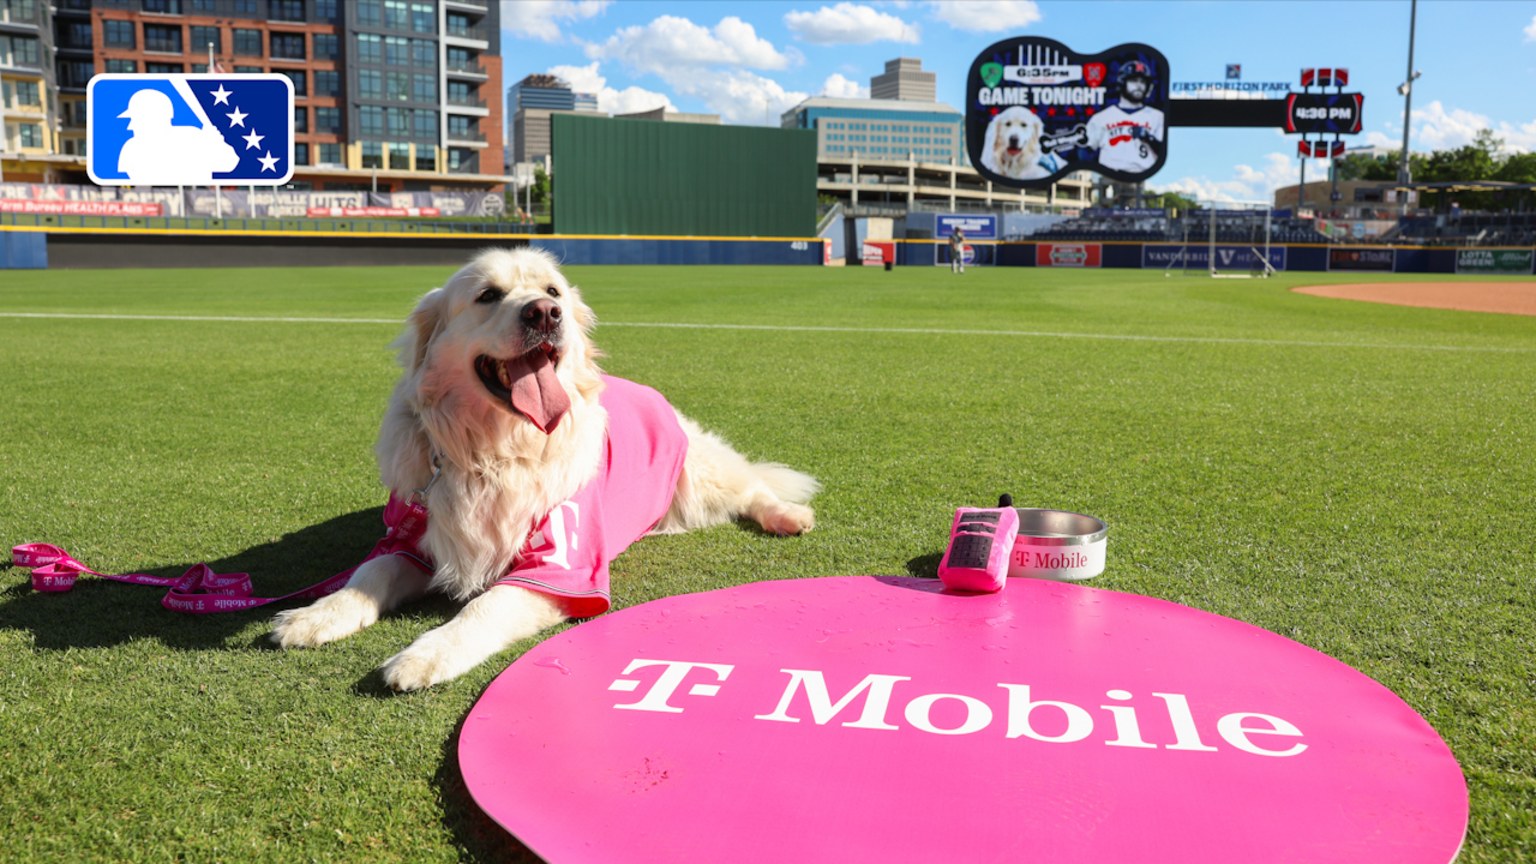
{"points": [[1129, 134]]}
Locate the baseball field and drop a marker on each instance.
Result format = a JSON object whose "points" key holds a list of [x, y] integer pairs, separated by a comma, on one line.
{"points": [[1358, 477]]}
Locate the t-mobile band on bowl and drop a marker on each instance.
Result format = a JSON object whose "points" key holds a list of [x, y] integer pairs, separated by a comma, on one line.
{"points": [[1056, 544]]}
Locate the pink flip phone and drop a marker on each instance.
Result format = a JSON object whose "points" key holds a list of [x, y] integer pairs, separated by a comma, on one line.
{"points": [[980, 542]]}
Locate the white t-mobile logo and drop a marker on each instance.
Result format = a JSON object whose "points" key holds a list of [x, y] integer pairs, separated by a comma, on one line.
{"points": [[656, 698]]}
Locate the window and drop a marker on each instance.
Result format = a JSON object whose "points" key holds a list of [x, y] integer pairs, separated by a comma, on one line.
{"points": [[422, 19], [287, 46], [459, 58], [458, 158], [399, 121], [202, 37], [370, 13], [252, 69], [370, 48], [301, 154], [27, 94], [325, 46], [297, 77], [396, 50], [23, 51], [245, 8], [370, 84], [423, 52], [461, 127], [460, 93], [77, 34], [164, 68], [300, 118], [327, 82], [164, 7], [458, 25], [424, 126], [330, 154], [424, 88], [248, 42], [400, 157], [122, 66], [397, 86], [325, 10], [373, 154], [396, 15], [371, 120], [204, 5], [31, 135], [75, 73], [327, 120], [285, 10], [426, 157]]}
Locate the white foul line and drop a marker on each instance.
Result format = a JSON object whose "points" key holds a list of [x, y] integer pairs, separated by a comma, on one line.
{"points": [[793, 328]]}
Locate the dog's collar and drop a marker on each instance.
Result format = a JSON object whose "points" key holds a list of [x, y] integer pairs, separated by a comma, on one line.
{"points": [[419, 497]]}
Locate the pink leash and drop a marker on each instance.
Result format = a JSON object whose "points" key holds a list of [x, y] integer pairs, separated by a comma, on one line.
{"points": [[200, 590]]}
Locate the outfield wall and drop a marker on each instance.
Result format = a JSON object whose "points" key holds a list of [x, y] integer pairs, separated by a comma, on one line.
{"points": [[102, 247], [97, 248]]}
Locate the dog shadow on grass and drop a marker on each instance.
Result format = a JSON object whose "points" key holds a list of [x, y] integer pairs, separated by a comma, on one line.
{"points": [[98, 613]]}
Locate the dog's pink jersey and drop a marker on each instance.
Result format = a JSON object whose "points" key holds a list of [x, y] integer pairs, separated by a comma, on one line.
{"points": [[567, 554]]}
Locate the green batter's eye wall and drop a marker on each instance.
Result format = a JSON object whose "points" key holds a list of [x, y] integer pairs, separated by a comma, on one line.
{"points": [[643, 177]]}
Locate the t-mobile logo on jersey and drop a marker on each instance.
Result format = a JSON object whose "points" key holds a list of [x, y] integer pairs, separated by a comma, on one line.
{"points": [[868, 705]]}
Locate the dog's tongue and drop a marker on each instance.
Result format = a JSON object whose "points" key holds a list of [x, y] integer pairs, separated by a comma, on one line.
{"points": [[536, 392]]}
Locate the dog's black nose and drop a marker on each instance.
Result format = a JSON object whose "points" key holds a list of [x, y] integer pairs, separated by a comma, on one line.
{"points": [[541, 315]]}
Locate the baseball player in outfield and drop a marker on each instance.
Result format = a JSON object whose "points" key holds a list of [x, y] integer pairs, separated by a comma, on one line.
{"points": [[1129, 134]]}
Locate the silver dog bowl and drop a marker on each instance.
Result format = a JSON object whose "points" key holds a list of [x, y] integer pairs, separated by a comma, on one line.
{"points": [[1056, 544]]}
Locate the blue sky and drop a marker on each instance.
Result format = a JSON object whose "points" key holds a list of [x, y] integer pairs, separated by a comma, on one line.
{"points": [[750, 61]]}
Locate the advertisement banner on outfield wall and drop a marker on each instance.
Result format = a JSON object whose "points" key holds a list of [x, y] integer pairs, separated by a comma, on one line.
{"points": [[65, 199], [875, 254], [1501, 262], [1162, 257], [976, 226], [1361, 259], [1069, 255]]}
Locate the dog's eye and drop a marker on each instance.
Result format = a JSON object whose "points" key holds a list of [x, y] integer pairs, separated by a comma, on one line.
{"points": [[552, 291], [491, 294]]}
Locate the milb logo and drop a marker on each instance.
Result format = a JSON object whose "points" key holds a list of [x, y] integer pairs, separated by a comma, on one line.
{"points": [[190, 130]]}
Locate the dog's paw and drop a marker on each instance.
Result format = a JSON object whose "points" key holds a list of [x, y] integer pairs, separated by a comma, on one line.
{"points": [[429, 660], [784, 518], [325, 620]]}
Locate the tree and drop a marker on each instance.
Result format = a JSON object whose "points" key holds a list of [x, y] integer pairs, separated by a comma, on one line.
{"points": [[1170, 201]]}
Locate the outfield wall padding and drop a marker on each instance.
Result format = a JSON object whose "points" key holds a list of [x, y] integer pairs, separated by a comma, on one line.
{"points": [[643, 177], [23, 250]]}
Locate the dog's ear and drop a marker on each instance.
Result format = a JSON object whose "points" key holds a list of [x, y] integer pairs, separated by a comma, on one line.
{"points": [[426, 319]]}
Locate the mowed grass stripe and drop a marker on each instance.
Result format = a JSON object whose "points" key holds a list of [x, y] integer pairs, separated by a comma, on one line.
{"points": [[784, 328]]}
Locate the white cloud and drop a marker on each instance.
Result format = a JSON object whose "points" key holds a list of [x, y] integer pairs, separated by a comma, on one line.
{"points": [[676, 47], [741, 97], [1530, 30], [838, 87], [849, 24], [540, 19], [1435, 128], [1249, 183], [986, 16], [588, 79]]}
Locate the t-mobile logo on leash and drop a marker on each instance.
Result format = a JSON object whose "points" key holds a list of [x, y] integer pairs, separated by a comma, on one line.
{"points": [[869, 703]]}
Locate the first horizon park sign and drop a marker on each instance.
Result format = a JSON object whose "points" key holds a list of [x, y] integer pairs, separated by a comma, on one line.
{"points": [[880, 719]]}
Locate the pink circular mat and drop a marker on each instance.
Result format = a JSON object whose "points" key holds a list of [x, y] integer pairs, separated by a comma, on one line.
{"points": [[878, 719]]}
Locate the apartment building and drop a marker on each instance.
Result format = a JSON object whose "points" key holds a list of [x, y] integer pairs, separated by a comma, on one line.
{"points": [[390, 94]]}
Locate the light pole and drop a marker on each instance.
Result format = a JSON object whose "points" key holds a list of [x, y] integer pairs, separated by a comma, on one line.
{"points": [[1404, 174]]}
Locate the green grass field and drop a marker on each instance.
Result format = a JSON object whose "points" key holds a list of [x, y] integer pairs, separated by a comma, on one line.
{"points": [[1354, 476]]}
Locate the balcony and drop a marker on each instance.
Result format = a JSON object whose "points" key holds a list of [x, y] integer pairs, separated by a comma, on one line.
{"points": [[466, 69], [466, 138], [481, 7], [472, 105]]}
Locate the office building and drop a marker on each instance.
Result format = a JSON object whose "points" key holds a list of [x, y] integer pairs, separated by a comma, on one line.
{"points": [[904, 79], [531, 102]]}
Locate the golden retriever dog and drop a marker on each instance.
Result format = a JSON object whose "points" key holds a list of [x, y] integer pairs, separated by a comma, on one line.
{"points": [[517, 470], [1012, 145]]}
